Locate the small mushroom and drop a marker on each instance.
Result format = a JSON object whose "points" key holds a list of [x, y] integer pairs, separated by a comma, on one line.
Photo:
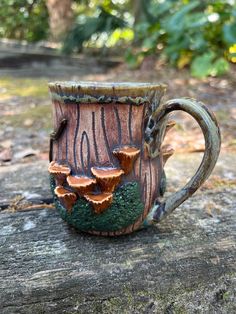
{"points": [[107, 178], [60, 172], [67, 197], [170, 124], [100, 202], [167, 152], [82, 185], [127, 156]]}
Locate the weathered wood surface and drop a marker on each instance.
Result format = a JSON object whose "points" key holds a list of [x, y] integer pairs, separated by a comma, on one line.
{"points": [[29, 180], [186, 264]]}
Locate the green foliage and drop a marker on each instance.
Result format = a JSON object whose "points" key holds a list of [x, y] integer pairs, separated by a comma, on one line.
{"points": [[24, 19], [206, 64], [195, 33], [82, 32]]}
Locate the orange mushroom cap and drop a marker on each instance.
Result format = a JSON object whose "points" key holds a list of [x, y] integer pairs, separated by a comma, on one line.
{"points": [[127, 156], [60, 172], [81, 184], [107, 178], [67, 197], [100, 202]]}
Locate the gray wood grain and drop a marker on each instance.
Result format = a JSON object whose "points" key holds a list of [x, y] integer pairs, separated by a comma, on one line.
{"points": [[29, 180]]}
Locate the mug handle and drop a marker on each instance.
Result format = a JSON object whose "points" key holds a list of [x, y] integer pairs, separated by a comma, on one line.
{"points": [[208, 123]]}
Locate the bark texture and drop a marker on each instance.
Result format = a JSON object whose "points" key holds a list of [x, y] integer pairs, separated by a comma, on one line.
{"points": [[60, 17]]}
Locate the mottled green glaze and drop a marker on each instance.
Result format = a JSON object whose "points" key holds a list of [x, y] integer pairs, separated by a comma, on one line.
{"points": [[126, 207]]}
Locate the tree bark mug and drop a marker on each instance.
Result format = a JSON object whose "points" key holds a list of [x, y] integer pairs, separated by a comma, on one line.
{"points": [[107, 158]]}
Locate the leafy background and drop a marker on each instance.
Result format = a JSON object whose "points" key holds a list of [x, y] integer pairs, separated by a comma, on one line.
{"points": [[199, 35]]}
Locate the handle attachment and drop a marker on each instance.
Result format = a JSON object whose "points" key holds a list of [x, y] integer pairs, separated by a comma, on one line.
{"points": [[154, 138]]}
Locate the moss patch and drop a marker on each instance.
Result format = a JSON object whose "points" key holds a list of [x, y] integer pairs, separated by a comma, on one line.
{"points": [[126, 207]]}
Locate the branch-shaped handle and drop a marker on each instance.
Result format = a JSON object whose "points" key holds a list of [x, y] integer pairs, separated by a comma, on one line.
{"points": [[210, 129]]}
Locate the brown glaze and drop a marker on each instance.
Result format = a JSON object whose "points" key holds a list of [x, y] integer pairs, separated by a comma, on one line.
{"points": [[127, 156], [167, 152], [100, 202], [60, 172], [67, 197], [107, 178], [82, 185]]}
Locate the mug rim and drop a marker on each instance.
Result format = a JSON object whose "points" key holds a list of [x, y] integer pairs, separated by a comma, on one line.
{"points": [[105, 92]]}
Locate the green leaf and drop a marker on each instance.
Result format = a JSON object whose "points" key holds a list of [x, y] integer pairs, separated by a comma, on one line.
{"points": [[202, 65], [205, 65], [219, 67], [133, 60], [177, 19], [229, 32]]}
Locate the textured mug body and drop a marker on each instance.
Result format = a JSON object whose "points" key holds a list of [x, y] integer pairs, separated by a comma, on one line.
{"points": [[106, 154]]}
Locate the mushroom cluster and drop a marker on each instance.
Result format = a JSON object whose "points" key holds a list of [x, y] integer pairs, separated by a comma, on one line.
{"points": [[60, 172], [105, 180]]}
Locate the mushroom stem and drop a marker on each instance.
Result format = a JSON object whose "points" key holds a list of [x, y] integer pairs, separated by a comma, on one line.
{"points": [[170, 124], [167, 152]]}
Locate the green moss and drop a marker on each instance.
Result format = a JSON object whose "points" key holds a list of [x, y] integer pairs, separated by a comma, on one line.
{"points": [[126, 207]]}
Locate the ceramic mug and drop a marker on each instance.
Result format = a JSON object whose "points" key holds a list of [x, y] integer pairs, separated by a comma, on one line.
{"points": [[107, 158]]}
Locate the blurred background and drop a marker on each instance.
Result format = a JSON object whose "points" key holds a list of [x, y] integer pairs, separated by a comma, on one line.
{"points": [[190, 45]]}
